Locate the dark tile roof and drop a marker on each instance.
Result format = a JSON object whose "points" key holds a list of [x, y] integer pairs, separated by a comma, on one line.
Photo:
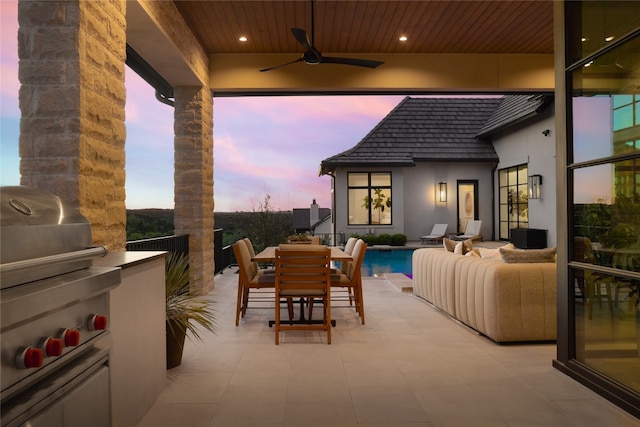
{"points": [[302, 217], [514, 109], [423, 130]]}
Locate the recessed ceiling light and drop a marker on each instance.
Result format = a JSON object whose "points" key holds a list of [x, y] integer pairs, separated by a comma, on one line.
{"points": [[608, 39], [584, 39], [403, 38], [243, 38]]}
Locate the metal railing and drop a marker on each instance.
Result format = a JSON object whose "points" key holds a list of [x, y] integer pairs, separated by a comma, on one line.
{"points": [[222, 255], [177, 244]]}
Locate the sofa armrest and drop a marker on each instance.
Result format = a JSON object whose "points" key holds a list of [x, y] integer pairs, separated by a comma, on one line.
{"points": [[507, 302], [434, 277]]}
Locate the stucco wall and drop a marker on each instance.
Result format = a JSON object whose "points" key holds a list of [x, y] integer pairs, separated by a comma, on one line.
{"points": [[526, 144], [421, 209], [414, 209]]}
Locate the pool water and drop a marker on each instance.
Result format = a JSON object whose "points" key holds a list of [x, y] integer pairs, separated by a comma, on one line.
{"points": [[379, 261]]}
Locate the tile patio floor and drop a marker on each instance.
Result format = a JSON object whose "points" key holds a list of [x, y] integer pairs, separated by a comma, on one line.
{"points": [[409, 366]]}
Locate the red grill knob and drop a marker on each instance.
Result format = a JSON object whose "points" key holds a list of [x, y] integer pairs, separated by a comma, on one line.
{"points": [[97, 322], [29, 357], [52, 347], [70, 337]]}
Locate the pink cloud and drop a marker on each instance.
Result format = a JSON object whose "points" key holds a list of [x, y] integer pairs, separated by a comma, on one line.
{"points": [[9, 84]]}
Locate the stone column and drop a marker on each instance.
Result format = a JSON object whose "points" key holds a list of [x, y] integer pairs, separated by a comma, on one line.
{"points": [[193, 169], [72, 99]]}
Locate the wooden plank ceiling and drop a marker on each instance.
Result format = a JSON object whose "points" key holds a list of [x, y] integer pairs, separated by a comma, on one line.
{"points": [[371, 26]]}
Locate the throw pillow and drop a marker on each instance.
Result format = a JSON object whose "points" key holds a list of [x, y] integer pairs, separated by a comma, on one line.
{"points": [[494, 254], [473, 253], [448, 244], [528, 255], [464, 247], [489, 253]]}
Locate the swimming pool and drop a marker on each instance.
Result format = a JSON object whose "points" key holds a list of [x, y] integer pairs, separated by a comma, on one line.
{"points": [[378, 261]]}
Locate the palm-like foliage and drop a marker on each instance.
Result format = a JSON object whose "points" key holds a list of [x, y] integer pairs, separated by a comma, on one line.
{"points": [[185, 308]]}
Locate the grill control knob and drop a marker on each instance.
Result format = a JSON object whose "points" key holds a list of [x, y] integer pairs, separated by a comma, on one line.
{"points": [[29, 357], [70, 337], [97, 322], [52, 347]]}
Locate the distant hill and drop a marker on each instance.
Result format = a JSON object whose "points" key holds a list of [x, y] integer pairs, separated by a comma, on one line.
{"points": [[148, 223], [263, 228]]}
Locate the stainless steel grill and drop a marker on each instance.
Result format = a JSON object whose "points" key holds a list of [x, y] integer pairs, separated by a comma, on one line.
{"points": [[54, 314]]}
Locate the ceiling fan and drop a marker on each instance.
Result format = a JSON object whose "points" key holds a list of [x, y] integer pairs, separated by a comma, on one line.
{"points": [[313, 56]]}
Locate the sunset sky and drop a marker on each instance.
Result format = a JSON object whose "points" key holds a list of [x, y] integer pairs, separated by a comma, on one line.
{"points": [[262, 145]]}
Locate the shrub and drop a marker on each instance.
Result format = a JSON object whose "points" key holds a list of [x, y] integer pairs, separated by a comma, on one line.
{"points": [[384, 239], [370, 239], [398, 240]]}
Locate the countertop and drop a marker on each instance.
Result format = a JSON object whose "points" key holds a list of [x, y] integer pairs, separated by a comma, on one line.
{"points": [[127, 259]]}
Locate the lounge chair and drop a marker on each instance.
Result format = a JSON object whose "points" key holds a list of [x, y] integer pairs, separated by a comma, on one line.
{"points": [[472, 231], [437, 233]]}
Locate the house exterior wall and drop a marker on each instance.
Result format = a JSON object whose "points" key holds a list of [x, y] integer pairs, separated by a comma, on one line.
{"points": [[422, 211], [414, 208], [526, 144], [341, 207]]}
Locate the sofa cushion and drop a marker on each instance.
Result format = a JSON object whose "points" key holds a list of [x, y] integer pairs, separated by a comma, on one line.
{"points": [[528, 255]]}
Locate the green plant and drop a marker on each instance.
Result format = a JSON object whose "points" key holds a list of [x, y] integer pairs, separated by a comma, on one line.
{"points": [[377, 203], [398, 239], [384, 239], [370, 239], [185, 307], [300, 237]]}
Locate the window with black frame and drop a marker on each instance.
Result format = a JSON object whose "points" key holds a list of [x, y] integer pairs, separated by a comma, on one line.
{"points": [[369, 195], [513, 199], [604, 177]]}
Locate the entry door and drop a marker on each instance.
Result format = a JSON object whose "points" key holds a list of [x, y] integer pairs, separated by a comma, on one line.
{"points": [[467, 203]]}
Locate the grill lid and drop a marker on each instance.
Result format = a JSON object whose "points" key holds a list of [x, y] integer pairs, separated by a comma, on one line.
{"points": [[37, 224]]}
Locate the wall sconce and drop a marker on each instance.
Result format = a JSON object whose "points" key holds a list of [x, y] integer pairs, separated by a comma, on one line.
{"points": [[535, 186], [442, 191]]}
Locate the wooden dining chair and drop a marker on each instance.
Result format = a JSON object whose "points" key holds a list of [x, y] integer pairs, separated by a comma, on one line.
{"points": [[303, 273], [252, 253], [352, 278], [249, 278]]}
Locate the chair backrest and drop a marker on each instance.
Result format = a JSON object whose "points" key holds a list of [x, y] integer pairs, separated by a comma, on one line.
{"points": [[473, 227], [249, 244], [348, 247], [300, 247], [302, 268], [582, 250], [252, 265], [354, 270], [246, 271], [439, 229]]}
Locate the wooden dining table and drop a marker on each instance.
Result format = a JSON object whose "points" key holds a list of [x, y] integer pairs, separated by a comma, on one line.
{"points": [[269, 254]]}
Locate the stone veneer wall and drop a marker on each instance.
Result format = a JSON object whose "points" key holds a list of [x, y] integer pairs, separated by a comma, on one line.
{"points": [[193, 177], [72, 99], [193, 146]]}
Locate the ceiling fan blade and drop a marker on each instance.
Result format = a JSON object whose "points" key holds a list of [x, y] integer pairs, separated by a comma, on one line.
{"points": [[351, 61], [281, 65], [302, 37]]}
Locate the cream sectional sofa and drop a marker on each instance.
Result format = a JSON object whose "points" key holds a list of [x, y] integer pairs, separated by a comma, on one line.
{"points": [[507, 302]]}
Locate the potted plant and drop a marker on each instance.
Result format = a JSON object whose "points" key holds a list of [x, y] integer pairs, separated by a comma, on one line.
{"points": [[185, 308], [299, 238]]}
